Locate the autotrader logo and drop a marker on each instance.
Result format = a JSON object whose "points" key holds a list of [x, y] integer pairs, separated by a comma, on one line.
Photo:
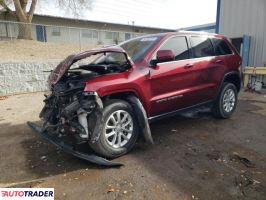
{"points": [[27, 193]]}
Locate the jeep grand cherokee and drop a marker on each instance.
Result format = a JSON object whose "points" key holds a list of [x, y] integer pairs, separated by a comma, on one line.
{"points": [[107, 97]]}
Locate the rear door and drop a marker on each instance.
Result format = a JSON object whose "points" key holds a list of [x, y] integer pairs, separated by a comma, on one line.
{"points": [[222, 62], [204, 68]]}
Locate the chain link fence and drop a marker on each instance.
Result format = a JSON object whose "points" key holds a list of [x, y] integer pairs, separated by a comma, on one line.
{"points": [[83, 37]]}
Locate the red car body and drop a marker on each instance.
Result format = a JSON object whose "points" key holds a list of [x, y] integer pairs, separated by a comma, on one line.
{"points": [[109, 101], [169, 86]]}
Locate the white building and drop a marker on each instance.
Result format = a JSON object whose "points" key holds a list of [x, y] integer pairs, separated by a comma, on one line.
{"points": [[47, 28]]}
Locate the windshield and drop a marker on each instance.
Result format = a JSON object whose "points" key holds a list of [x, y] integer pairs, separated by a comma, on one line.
{"points": [[101, 63], [109, 58], [137, 48]]}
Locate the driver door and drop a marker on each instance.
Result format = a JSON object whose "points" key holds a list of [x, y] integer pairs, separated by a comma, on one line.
{"points": [[171, 81]]}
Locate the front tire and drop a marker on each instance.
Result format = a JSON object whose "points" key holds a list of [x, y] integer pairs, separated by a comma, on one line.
{"points": [[120, 130], [226, 101]]}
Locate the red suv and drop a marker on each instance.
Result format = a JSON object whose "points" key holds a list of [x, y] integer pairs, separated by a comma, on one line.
{"points": [[107, 97]]}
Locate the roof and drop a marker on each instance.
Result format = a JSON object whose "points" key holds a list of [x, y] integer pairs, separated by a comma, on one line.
{"points": [[95, 21], [179, 33]]}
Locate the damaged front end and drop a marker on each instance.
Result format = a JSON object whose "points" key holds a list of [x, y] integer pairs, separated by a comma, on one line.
{"points": [[68, 113], [71, 115]]}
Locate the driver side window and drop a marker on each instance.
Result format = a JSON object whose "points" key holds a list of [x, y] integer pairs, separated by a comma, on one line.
{"points": [[179, 47]]}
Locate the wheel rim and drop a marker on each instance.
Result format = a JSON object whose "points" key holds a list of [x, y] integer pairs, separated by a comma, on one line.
{"points": [[229, 100], [118, 128]]}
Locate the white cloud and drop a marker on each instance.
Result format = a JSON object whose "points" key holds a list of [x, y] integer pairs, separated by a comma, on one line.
{"points": [[171, 14]]}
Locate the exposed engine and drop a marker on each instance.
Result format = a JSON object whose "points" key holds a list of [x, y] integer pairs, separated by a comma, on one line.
{"points": [[68, 110]]}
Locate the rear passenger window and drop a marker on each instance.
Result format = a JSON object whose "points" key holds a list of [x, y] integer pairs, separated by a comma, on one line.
{"points": [[201, 47], [179, 47], [221, 47]]}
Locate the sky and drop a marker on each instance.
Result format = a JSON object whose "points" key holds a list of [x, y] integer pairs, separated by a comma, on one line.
{"points": [[171, 14]]}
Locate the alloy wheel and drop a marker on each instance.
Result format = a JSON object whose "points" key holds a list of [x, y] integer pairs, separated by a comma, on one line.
{"points": [[118, 128]]}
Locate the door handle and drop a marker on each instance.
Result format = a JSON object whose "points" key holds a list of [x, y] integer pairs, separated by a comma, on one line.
{"points": [[188, 66], [218, 61]]}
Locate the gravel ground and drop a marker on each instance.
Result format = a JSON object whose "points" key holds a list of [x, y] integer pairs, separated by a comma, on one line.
{"points": [[194, 157], [30, 50]]}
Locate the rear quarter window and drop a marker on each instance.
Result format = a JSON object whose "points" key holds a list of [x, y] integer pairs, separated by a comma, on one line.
{"points": [[221, 47], [201, 47]]}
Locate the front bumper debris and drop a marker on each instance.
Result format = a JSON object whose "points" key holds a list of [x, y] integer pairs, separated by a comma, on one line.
{"points": [[71, 149]]}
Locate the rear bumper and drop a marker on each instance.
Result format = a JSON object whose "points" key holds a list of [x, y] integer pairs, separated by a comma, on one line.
{"points": [[71, 150]]}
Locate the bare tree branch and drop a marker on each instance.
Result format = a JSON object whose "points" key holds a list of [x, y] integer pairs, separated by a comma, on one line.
{"points": [[75, 6], [5, 6], [23, 4], [32, 9], [19, 12]]}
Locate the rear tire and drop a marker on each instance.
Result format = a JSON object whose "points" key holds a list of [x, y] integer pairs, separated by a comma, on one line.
{"points": [[226, 101], [120, 130]]}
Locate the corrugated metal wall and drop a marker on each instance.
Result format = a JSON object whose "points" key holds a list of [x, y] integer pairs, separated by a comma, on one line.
{"points": [[239, 17]]}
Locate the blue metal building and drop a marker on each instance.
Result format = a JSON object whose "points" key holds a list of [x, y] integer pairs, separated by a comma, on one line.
{"points": [[210, 28], [243, 21]]}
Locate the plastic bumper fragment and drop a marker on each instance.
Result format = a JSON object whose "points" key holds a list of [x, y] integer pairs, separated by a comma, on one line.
{"points": [[71, 150]]}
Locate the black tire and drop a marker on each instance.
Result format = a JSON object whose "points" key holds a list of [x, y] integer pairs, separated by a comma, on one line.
{"points": [[218, 109], [102, 147]]}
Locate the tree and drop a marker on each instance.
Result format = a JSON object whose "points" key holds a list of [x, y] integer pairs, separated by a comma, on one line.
{"points": [[23, 11]]}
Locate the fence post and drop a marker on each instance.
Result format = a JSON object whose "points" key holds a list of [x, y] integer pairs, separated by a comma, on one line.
{"points": [[6, 26], [10, 31], [92, 31], [99, 37], [69, 35], [43, 29], [80, 39]]}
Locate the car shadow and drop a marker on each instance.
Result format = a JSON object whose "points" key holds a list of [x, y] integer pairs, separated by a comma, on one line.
{"points": [[187, 155], [192, 153], [27, 156]]}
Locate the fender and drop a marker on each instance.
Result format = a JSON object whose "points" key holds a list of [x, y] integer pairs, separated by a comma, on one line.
{"points": [[141, 117], [227, 75]]}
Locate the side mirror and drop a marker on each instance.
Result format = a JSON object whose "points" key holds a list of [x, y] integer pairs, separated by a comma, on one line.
{"points": [[165, 56]]}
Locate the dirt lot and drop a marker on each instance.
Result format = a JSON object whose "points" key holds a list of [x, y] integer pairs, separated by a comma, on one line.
{"points": [[194, 157], [30, 50]]}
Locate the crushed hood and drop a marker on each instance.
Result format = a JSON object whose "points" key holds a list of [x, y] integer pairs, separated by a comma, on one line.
{"points": [[63, 67]]}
